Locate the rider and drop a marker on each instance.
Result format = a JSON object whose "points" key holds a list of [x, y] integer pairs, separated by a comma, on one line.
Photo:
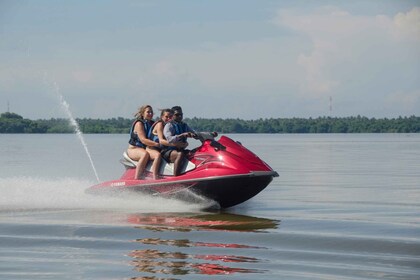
{"points": [[139, 145], [168, 149], [176, 133]]}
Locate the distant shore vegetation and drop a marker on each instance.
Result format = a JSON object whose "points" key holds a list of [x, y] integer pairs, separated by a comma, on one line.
{"points": [[14, 123]]}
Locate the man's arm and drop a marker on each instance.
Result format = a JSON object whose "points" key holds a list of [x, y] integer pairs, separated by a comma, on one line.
{"points": [[169, 133]]}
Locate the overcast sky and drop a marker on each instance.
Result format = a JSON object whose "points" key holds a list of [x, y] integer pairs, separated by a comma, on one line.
{"points": [[215, 58]]}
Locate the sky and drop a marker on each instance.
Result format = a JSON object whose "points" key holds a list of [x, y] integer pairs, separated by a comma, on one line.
{"points": [[216, 58]]}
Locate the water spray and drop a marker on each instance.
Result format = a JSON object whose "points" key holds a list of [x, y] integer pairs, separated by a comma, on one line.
{"points": [[75, 125]]}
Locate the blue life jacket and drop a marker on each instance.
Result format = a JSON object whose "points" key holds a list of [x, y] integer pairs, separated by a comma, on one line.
{"points": [[134, 138], [152, 136], [180, 128]]}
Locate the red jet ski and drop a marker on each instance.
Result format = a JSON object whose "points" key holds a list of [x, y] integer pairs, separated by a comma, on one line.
{"points": [[223, 171]]}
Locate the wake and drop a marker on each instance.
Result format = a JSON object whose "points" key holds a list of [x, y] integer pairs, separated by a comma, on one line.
{"points": [[25, 193]]}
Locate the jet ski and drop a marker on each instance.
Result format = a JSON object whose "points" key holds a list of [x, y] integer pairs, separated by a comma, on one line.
{"points": [[222, 171]]}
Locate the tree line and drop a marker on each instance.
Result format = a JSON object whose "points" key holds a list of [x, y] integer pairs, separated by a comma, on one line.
{"points": [[14, 123]]}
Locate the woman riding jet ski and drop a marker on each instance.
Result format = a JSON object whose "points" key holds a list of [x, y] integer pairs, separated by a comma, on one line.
{"points": [[223, 171]]}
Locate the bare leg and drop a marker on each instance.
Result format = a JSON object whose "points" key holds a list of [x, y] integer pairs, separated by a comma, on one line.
{"points": [[140, 155], [157, 158], [141, 165], [176, 158]]}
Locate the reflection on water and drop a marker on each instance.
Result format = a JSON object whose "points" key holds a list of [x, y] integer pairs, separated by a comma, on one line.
{"points": [[188, 243], [178, 263], [156, 260], [194, 221]]}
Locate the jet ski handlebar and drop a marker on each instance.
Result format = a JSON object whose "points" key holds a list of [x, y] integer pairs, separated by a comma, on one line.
{"points": [[203, 136]]}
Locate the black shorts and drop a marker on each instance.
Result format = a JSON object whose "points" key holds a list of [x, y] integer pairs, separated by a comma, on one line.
{"points": [[166, 154]]}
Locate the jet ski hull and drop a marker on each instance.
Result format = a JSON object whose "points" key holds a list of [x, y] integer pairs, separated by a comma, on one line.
{"points": [[227, 191]]}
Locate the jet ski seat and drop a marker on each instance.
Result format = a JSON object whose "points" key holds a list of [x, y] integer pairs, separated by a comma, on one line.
{"points": [[166, 168]]}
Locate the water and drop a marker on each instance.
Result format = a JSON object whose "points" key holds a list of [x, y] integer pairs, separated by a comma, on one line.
{"points": [[344, 207]]}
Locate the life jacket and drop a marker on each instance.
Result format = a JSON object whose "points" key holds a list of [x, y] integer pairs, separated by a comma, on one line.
{"points": [[152, 136], [134, 138], [180, 128]]}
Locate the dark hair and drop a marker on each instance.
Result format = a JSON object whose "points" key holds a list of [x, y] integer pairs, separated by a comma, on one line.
{"points": [[176, 108]]}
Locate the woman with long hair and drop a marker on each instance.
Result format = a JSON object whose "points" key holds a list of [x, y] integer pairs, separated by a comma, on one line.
{"points": [[139, 145]]}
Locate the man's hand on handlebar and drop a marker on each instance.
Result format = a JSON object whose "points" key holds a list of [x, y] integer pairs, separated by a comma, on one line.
{"points": [[189, 134]]}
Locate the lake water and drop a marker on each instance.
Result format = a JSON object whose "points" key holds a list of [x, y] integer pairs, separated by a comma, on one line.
{"points": [[344, 207]]}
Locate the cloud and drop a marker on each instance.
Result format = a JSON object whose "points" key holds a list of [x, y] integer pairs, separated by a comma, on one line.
{"points": [[317, 80], [344, 44], [408, 24]]}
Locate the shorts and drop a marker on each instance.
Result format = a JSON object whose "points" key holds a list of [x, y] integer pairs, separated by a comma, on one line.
{"points": [[166, 154]]}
